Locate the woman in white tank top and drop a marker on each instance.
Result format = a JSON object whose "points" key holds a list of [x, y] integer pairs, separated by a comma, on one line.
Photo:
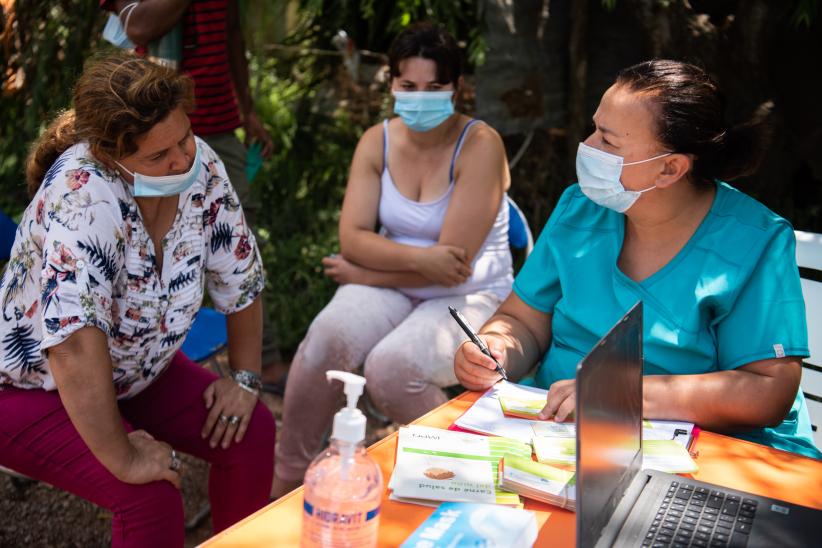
{"points": [[424, 225]]}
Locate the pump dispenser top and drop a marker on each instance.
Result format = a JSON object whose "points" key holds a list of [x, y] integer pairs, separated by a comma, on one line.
{"points": [[349, 422]]}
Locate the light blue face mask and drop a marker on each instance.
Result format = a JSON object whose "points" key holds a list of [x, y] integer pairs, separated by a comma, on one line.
{"points": [[599, 173], [423, 110], [146, 186], [115, 31]]}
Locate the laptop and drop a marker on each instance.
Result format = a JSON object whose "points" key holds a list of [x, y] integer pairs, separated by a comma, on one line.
{"points": [[618, 504]]}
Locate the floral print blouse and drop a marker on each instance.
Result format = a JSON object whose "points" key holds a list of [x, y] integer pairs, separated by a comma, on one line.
{"points": [[82, 257]]}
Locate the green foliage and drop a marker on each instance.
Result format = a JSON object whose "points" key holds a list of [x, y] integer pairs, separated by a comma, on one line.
{"points": [[49, 42], [374, 23], [806, 11], [300, 189], [804, 14]]}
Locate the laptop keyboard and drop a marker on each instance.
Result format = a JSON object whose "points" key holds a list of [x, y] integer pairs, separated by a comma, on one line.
{"points": [[700, 517]]}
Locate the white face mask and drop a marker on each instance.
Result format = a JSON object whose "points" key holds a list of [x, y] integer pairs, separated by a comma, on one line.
{"points": [[115, 29], [147, 186], [599, 174]]}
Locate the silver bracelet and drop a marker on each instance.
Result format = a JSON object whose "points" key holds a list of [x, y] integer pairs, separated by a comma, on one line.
{"points": [[249, 380], [249, 389]]}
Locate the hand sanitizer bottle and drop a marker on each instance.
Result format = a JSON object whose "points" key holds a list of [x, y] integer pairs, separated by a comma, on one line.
{"points": [[343, 485]]}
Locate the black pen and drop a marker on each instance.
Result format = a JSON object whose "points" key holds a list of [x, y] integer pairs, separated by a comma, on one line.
{"points": [[475, 339]]}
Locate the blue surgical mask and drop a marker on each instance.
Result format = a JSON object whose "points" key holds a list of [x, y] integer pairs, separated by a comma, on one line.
{"points": [[114, 32], [423, 110], [599, 175], [146, 186]]}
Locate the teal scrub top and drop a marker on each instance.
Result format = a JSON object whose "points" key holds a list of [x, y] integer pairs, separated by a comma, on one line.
{"points": [[731, 296]]}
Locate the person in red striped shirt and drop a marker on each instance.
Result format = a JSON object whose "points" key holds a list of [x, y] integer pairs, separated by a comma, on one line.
{"points": [[213, 54]]}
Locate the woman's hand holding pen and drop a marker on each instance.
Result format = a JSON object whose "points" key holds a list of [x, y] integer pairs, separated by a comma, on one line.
{"points": [[475, 370]]}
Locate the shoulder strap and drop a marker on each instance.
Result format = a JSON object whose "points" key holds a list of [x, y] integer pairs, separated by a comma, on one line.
{"points": [[385, 144], [457, 148]]}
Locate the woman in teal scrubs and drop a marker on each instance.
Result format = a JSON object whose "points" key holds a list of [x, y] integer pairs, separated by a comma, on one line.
{"points": [[651, 220]]}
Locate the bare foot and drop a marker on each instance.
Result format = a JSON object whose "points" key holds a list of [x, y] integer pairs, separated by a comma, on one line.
{"points": [[282, 487]]}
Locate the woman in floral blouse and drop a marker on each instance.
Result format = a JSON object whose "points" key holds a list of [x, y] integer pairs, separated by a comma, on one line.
{"points": [[131, 217]]}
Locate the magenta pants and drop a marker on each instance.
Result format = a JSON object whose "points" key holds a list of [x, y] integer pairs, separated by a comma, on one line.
{"points": [[38, 439]]}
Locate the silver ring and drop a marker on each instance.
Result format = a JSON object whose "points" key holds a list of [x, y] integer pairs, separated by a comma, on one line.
{"points": [[223, 418], [234, 420], [175, 461]]}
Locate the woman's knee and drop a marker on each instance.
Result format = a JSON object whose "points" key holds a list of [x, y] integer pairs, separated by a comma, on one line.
{"points": [[262, 430], [390, 371], [328, 341], [148, 511]]}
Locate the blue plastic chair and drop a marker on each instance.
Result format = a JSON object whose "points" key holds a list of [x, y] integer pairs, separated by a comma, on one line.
{"points": [[207, 336], [519, 233], [8, 229]]}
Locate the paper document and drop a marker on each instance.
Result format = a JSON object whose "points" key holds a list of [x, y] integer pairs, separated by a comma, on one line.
{"points": [[440, 465], [486, 416], [539, 481]]}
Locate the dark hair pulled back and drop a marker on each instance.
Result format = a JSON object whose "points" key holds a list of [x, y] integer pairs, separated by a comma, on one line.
{"points": [[429, 41], [691, 119]]}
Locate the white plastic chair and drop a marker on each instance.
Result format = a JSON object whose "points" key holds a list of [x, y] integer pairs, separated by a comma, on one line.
{"points": [[809, 259]]}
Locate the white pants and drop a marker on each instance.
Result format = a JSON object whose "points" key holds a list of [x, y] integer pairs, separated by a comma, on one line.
{"points": [[407, 348]]}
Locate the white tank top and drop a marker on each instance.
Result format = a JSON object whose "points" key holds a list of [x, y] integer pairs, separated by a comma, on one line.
{"points": [[409, 222]]}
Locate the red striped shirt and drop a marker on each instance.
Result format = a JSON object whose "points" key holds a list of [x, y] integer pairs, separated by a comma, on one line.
{"points": [[205, 59]]}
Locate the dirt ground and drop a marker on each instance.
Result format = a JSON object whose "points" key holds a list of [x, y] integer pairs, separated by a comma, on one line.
{"points": [[37, 515]]}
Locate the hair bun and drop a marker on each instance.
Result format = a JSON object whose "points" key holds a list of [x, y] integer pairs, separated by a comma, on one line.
{"points": [[744, 145], [691, 119]]}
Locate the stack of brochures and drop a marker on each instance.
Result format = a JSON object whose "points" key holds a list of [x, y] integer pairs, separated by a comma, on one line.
{"points": [[436, 465], [557, 446], [538, 481], [463, 524], [511, 410]]}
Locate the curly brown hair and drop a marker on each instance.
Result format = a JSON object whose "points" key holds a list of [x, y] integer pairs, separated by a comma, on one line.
{"points": [[117, 99]]}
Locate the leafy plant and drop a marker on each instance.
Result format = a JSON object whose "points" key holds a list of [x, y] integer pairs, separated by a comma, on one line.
{"points": [[44, 47], [805, 13]]}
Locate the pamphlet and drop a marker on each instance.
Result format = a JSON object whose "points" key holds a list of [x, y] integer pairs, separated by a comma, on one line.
{"points": [[486, 417], [463, 525], [440, 465], [539, 481], [667, 456], [556, 450], [522, 408]]}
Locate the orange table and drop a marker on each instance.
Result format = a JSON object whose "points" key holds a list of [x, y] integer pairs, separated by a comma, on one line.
{"points": [[722, 460]]}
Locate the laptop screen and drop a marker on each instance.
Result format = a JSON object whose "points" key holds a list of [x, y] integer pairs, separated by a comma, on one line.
{"points": [[609, 424]]}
